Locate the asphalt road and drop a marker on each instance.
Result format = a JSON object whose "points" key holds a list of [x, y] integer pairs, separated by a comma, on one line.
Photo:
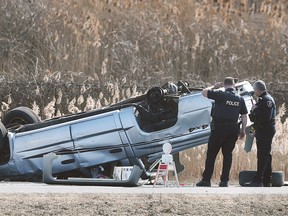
{"points": [[28, 187]]}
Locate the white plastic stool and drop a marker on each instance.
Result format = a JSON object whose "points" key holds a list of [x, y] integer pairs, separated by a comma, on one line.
{"points": [[166, 164]]}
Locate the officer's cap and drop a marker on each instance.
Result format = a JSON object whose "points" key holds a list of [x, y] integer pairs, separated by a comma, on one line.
{"points": [[260, 85]]}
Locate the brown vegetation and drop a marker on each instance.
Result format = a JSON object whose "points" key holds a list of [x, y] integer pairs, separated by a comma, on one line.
{"points": [[143, 43], [61, 57]]}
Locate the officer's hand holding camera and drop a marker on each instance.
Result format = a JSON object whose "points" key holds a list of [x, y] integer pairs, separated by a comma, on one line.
{"points": [[218, 85], [254, 107], [242, 133]]}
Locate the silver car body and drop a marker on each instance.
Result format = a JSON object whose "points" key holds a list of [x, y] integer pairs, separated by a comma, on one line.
{"points": [[112, 135]]}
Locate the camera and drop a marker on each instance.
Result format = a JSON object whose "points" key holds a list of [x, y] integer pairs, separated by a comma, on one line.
{"points": [[252, 131]]}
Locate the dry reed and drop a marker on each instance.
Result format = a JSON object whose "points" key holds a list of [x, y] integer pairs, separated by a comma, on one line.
{"points": [[61, 57]]}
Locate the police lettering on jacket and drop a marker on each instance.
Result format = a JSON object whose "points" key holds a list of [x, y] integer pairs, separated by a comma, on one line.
{"points": [[232, 103], [228, 105]]}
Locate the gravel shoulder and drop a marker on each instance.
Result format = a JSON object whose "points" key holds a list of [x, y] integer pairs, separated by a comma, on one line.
{"points": [[142, 204], [41, 199]]}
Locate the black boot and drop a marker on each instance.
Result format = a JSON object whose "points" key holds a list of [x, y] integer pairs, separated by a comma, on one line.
{"points": [[223, 184], [203, 184], [267, 184], [267, 181]]}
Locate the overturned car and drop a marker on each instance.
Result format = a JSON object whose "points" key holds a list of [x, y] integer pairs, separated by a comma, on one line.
{"points": [[91, 143]]}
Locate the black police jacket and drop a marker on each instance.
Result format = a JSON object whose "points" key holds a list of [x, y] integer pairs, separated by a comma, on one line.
{"points": [[265, 112], [228, 105]]}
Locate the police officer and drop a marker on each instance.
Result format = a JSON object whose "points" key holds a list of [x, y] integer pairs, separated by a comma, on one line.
{"points": [[225, 129], [263, 115]]}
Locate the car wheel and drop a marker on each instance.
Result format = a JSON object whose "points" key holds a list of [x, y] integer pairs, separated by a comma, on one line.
{"points": [[3, 133], [247, 175], [20, 116]]}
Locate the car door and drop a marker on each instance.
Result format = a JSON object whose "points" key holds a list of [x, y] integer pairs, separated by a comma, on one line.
{"points": [[97, 139], [29, 147]]}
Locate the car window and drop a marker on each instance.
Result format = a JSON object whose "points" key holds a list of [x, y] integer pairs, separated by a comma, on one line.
{"points": [[157, 116]]}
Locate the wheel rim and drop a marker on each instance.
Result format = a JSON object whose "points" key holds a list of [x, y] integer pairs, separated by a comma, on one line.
{"points": [[16, 122]]}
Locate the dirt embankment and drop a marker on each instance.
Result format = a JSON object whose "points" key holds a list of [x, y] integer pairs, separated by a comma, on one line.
{"points": [[142, 204]]}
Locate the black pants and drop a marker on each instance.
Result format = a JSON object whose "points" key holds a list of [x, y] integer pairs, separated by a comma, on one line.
{"points": [[264, 138], [224, 138]]}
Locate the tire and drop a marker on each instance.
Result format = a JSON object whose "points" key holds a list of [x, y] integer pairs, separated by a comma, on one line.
{"points": [[4, 147], [20, 116], [277, 179], [247, 175], [3, 133]]}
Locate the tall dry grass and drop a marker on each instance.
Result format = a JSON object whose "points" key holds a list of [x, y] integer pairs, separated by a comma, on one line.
{"points": [[143, 42], [61, 57], [51, 46]]}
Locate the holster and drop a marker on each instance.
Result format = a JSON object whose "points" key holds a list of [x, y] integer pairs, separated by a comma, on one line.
{"points": [[252, 116]]}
